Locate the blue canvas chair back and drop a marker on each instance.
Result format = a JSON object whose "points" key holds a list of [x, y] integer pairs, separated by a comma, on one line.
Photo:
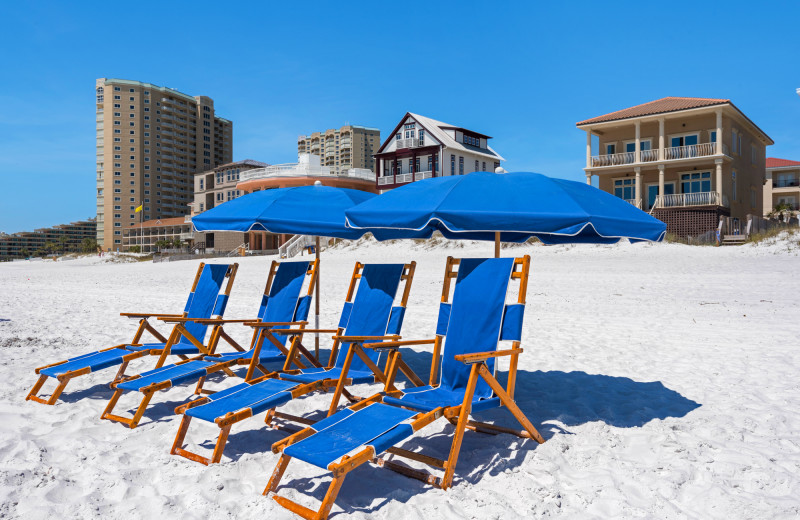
{"points": [[283, 303], [206, 300], [371, 313], [477, 319]]}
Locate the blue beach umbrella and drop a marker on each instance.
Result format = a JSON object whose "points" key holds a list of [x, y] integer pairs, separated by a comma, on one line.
{"points": [[315, 210], [508, 207], [303, 210]]}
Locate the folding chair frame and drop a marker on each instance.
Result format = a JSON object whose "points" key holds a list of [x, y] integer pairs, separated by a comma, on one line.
{"points": [[144, 326], [457, 415], [179, 330], [227, 421]]}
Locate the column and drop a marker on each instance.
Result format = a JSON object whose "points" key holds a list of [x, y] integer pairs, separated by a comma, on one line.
{"points": [[660, 184], [638, 187], [637, 157], [589, 178], [718, 163], [589, 149], [718, 150], [661, 139]]}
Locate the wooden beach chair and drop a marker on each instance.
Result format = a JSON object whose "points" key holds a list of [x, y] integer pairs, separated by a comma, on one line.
{"points": [[368, 315], [281, 305], [207, 298], [465, 349]]}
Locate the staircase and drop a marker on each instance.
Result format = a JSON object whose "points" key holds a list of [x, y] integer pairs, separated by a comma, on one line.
{"points": [[295, 245], [236, 251]]}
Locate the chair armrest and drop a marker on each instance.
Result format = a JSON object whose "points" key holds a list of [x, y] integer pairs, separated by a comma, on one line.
{"points": [[395, 344], [217, 321], [482, 356], [303, 331], [361, 339], [271, 324], [148, 314]]}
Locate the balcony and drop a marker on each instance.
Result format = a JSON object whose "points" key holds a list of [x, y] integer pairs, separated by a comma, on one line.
{"points": [[685, 200], [785, 183], [670, 154], [403, 144], [404, 178]]}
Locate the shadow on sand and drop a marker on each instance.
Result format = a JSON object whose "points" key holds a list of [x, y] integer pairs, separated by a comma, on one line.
{"points": [[553, 401]]}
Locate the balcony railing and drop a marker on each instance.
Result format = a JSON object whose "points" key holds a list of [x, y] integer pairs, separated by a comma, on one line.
{"points": [[690, 151], [635, 202], [682, 200], [304, 170], [613, 159], [408, 143], [785, 183], [404, 178], [675, 152]]}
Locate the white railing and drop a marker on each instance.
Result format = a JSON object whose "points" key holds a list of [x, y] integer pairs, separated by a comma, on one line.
{"points": [[635, 202], [404, 178], [681, 200], [649, 155], [186, 236], [294, 245], [613, 159], [675, 152], [690, 151], [358, 173], [236, 250], [407, 143]]}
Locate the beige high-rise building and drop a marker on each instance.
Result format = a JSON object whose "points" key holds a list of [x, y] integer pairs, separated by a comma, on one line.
{"points": [[150, 142], [348, 147]]}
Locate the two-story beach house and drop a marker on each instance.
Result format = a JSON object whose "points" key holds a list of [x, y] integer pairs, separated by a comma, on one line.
{"points": [[688, 161], [420, 147], [783, 185]]}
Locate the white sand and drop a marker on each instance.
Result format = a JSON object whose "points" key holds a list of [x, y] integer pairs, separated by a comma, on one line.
{"points": [[664, 377]]}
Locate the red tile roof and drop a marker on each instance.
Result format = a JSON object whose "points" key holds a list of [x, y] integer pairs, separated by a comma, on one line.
{"points": [[774, 162], [659, 106]]}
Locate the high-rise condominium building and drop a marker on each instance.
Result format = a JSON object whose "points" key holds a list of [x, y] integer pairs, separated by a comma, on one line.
{"points": [[150, 142], [348, 147]]}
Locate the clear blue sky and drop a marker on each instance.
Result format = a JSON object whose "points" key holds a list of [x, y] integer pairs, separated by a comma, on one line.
{"points": [[523, 73]]}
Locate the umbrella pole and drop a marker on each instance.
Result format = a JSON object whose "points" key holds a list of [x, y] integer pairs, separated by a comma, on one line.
{"points": [[316, 303], [497, 244]]}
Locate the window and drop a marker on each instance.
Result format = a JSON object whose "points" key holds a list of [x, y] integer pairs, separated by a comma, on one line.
{"points": [[452, 165], [625, 188], [484, 166], [476, 166], [461, 166], [733, 177], [116, 89], [132, 90], [117, 97], [752, 198], [611, 148], [398, 136], [430, 163], [421, 136], [696, 182]]}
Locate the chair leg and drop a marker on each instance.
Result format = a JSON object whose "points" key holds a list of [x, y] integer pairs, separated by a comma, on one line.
{"points": [[277, 474], [179, 438], [199, 388], [461, 427], [112, 403], [294, 507], [57, 392], [142, 407], [120, 372], [220, 446]]}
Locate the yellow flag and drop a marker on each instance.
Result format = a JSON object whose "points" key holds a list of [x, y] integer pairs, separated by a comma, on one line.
{"points": [[139, 208]]}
